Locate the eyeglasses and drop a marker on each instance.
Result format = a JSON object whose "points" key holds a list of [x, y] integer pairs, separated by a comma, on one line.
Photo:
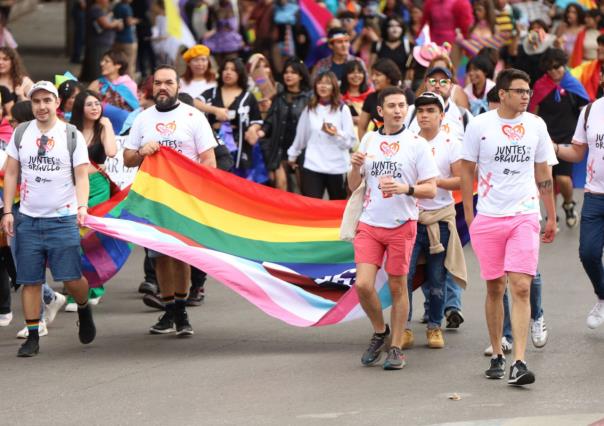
{"points": [[441, 82], [42, 146], [521, 92]]}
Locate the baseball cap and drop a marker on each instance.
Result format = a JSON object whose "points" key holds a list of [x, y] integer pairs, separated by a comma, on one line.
{"points": [[443, 70], [43, 85], [430, 98]]}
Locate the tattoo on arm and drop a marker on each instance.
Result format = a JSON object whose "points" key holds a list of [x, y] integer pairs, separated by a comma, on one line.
{"points": [[545, 187]]}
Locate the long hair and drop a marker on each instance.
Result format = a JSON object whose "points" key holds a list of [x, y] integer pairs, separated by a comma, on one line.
{"points": [[335, 99], [209, 75], [580, 13], [17, 69], [239, 69], [489, 11], [349, 68], [77, 115], [299, 68]]}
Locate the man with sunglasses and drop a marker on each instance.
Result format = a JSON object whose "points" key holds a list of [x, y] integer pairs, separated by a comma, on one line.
{"points": [[439, 80], [511, 148], [54, 197]]}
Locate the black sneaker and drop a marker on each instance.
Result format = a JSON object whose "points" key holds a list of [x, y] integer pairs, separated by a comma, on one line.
{"points": [[183, 326], [165, 324], [395, 360], [520, 374], [87, 330], [153, 301], [571, 214], [454, 318], [30, 348], [497, 368], [147, 287], [196, 296], [376, 346]]}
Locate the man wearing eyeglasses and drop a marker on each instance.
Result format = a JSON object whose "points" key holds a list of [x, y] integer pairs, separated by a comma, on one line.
{"points": [[511, 148], [54, 197]]}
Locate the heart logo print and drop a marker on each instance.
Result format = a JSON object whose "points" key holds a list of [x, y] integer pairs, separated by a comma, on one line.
{"points": [[514, 133], [389, 149], [166, 129]]}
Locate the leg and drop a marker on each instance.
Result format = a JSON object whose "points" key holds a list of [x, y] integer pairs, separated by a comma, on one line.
{"points": [[5, 299], [436, 277], [280, 178], [313, 184], [563, 172], [565, 184], [368, 297], [336, 187], [520, 285], [181, 277], [165, 277], [494, 312], [536, 309], [400, 307], [591, 241], [507, 323], [197, 291]]}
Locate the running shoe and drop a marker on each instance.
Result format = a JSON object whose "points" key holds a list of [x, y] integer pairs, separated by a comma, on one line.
{"points": [[196, 296], [497, 368], [506, 347], [42, 331], [5, 319], [52, 308], [520, 375], [435, 338], [376, 346], [183, 327], [147, 287], [87, 329], [395, 360], [539, 332], [571, 214], [596, 315], [30, 348], [154, 301], [454, 318], [164, 325]]}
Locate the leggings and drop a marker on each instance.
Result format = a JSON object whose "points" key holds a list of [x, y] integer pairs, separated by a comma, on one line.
{"points": [[314, 185]]}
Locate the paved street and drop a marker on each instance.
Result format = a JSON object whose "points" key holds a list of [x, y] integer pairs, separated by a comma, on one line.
{"points": [[243, 367]]}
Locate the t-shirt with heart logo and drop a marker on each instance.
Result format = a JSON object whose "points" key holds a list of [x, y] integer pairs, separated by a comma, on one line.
{"points": [[594, 138], [408, 159], [506, 152], [184, 129]]}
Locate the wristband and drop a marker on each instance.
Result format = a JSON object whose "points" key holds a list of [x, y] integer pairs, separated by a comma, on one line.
{"points": [[5, 213], [411, 190]]}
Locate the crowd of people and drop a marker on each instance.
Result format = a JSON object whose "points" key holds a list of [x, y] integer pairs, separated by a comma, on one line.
{"points": [[400, 104]]}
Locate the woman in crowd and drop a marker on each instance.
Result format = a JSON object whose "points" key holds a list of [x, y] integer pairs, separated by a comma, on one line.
{"points": [[480, 73], [199, 76], [68, 90], [586, 44], [98, 132], [395, 43], [13, 75], [355, 88], [100, 35], [279, 127], [572, 25], [325, 131], [261, 82], [115, 86], [234, 115]]}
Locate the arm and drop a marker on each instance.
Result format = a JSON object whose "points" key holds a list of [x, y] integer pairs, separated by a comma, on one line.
{"points": [[364, 120], [108, 138], [10, 188], [345, 139], [543, 177], [107, 24], [467, 169], [354, 175], [82, 186], [207, 158], [423, 189], [134, 157], [301, 139], [574, 153], [94, 86], [453, 183]]}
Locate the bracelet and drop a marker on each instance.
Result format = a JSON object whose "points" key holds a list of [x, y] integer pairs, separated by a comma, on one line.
{"points": [[5, 213]]}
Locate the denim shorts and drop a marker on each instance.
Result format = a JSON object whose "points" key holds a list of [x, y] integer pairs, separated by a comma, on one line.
{"points": [[52, 241]]}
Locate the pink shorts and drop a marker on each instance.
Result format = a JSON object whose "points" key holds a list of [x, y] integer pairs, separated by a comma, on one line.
{"points": [[506, 244], [371, 242]]}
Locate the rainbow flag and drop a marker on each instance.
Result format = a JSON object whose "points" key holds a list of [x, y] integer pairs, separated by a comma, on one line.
{"points": [[314, 18], [280, 251]]}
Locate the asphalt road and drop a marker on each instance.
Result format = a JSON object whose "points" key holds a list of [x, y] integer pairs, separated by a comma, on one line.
{"points": [[243, 367]]}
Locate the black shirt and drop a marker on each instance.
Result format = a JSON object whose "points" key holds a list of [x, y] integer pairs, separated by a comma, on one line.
{"points": [[399, 54], [561, 117]]}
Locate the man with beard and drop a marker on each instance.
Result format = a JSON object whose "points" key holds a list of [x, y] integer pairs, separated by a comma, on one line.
{"points": [[183, 128]]}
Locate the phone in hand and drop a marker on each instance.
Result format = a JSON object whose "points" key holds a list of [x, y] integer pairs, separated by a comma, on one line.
{"points": [[329, 128]]}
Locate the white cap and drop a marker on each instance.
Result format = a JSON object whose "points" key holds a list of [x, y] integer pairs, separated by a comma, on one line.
{"points": [[43, 85]]}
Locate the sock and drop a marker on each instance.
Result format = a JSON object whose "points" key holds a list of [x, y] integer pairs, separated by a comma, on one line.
{"points": [[385, 332], [180, 301], [82, 305], [169, 304], [32, 328]]}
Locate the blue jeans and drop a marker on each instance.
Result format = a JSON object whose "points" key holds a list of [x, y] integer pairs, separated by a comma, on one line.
{"points": [[435, 273], [452, 295], [536, 309], [591, 240]]}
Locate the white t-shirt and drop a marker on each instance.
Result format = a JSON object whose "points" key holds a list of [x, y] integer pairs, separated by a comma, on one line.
{"points": [[3, 157], [196, 87], [47, 188], [184, 129], [594, 138], [506, 152], [446, 151], [406, 157], [452, 123]]}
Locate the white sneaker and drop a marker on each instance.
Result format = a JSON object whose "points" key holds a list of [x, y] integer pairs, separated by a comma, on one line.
{"points": [[42, 331], [94, 301], [5, 319], [506, 347], [596, 315], [539, 332], [71, 307], [51, 310]]}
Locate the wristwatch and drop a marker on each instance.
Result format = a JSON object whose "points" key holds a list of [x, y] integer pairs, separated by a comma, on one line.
{"points": [[411, 190]]}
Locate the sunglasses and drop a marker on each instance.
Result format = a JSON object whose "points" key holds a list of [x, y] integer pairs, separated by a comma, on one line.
{"points": [[42, 146], [441, 82], [555, 66]]}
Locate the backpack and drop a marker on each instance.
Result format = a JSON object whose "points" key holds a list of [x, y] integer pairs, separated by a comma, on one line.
{"points": [[72, 141]]}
